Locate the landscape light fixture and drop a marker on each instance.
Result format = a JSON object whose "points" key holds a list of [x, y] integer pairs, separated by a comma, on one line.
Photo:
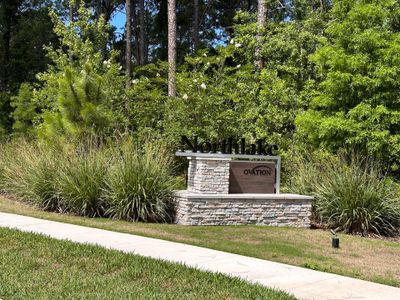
{"points": [[335, 239]]}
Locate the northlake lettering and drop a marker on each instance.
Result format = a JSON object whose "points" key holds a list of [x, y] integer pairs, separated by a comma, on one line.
{"points": [[229, 146]]}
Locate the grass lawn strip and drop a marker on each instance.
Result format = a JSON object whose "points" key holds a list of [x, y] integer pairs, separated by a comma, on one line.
{"points": [[369, 259], [37, 267]]}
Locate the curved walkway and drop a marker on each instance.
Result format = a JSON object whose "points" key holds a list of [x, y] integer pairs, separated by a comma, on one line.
{"points": [[303, 283]]}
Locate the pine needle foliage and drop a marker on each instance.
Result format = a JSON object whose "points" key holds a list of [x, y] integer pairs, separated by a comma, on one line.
{"points": [[82, 91], [81, 111]]}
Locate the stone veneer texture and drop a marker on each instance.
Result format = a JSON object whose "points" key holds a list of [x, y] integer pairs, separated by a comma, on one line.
{"points": [[281, 211], [208, 176]]}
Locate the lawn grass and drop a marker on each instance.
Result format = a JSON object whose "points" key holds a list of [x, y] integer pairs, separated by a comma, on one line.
{"points": [[37, 267], [369, 259]]}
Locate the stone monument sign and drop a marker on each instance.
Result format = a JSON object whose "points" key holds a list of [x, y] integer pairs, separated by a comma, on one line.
{"points": [[230, 182]]}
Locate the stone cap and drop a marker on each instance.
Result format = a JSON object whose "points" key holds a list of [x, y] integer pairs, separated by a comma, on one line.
{"points": [[188, 194]]}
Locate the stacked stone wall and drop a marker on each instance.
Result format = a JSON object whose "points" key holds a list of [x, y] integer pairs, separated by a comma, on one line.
{"points": [[281, 210]]}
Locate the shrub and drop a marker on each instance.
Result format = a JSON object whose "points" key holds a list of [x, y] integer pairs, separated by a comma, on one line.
{"points": [[25, 110], [139, 184], [354, 101], [350, 195]]}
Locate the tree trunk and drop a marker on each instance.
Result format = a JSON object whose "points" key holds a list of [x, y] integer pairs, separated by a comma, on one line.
{"points": [[71, 21], [146, 39], [261, 22], [106, 9], [71, 12], [243, 5], [128, 28], [7, 45], [135, 32], [196, 25], [142, 55], [171, 48]]}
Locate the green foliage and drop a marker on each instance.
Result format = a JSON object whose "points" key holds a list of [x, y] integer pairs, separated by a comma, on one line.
{"points": [[25, 26], [301, 172], [355, 199], [146, 108], [220, 94], [357, 101], [82, 92], [81, 179], [349, 195], [139, 184], [29, 171], [119, 179], [81, 110], [25, 110], [5, 109], [212, 97]]}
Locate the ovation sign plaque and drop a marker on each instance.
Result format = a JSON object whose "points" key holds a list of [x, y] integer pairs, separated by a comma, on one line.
{"points": [[252, 177]]}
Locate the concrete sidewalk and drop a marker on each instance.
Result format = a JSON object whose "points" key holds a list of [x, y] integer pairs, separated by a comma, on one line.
{"points": [[303, 283]]}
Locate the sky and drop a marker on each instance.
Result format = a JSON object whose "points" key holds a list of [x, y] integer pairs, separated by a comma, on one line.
{"points": [[118, 20]]}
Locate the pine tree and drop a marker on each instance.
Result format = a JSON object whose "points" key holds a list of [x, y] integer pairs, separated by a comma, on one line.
{"points": [[80, 103]]}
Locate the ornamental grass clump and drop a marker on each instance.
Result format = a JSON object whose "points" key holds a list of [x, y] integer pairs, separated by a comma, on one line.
{"points": [[3, 159], [119, 179], [355, 198], [350, 194], [301, 173], [29, 172], [139, 184], [81, 179]]}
